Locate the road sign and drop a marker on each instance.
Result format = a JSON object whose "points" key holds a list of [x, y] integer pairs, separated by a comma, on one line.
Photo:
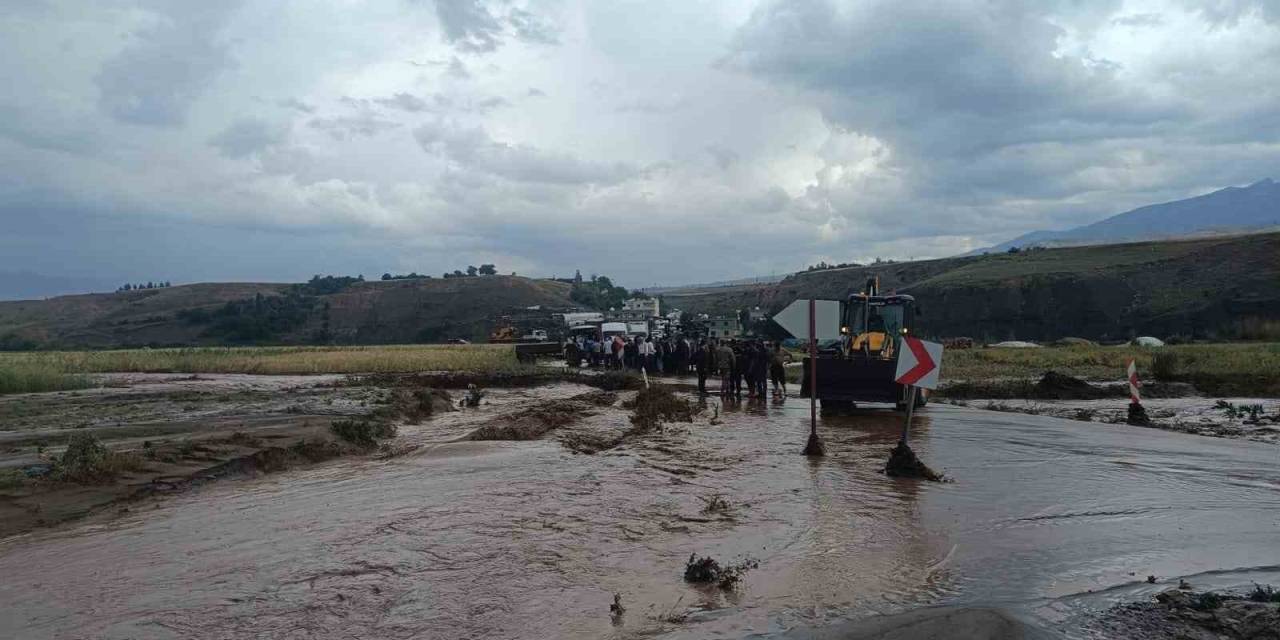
{"points": [[918, 363], [795, 319]]}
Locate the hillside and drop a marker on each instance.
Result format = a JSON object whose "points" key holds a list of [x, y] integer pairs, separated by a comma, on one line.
{"points": [[1203, 287], [1232, 209], [396, 311]]}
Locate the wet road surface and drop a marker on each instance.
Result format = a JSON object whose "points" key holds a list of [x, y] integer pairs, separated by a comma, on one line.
{"points": [[1048, 519]]}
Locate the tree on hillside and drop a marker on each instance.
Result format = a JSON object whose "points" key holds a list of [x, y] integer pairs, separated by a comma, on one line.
{"points": [[488, 270], [471, 271]]}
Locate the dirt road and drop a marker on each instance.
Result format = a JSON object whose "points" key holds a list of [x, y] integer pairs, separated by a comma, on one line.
{"points": [[1049, 520]]}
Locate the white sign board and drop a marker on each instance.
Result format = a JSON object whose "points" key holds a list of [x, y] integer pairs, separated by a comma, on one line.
{"points": [[795, 319], [919, 363]]}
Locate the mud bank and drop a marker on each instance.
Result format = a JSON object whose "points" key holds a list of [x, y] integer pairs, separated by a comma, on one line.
{"points": [[1191, 615], [1192, 415], [172, 433]]}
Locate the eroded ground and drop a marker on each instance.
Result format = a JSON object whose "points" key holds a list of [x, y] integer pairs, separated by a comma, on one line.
{"points": [[1050, 520]]}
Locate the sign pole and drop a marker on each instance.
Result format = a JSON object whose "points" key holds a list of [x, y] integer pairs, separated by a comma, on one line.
{"points": [[814, 447], [911, 407], [813, 372]]}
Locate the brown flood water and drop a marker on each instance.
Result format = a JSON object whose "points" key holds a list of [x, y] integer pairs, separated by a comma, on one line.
{"points": [[1050, 519]]}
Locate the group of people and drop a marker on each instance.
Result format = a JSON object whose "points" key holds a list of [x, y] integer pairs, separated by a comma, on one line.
{"points": [[752, 364]]}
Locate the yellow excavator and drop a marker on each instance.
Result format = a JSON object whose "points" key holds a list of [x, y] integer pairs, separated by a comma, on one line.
{"points": [[861, 367]]}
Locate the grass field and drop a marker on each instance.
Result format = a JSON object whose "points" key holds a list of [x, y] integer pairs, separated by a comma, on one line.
{"points": [[25, 372], [1244, 368]]}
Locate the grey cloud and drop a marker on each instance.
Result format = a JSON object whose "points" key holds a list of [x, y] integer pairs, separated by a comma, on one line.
{"points": [[404, 102], [724, 157], [533, 28], [297, 105], [535, 92], [345, 127], [652, 105], [457, 69], [245, 137], [1139, 20], [473, 149], [468, 25], [166, 67]]}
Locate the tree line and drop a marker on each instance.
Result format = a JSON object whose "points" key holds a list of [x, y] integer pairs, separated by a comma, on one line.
{"points": [[135, 287]]}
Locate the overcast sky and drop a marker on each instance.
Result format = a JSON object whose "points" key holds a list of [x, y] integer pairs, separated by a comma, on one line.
{"points": [[655, 141]]}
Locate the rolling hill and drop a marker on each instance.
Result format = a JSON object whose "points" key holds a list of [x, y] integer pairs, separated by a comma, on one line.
{"points": [[395, 311], [1209, 287], [1233, 209]]}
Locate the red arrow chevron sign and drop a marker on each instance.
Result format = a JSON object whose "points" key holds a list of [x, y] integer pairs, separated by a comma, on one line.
{"points": [[918, 363]]}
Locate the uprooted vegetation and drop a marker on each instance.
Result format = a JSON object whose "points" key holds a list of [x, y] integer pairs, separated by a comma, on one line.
{"points": [[1183, 613], [655, 405], [707, 570], [413, 405], [362, 433], [535, 421], [88, 461], [903, 463]]}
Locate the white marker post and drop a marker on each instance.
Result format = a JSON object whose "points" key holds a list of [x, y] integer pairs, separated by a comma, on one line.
{"points": [[822, 319], [814, 446], [919, 363]]}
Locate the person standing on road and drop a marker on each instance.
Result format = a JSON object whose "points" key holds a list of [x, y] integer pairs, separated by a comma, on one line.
{"points": [[760, 369], [739, 368], [778, 369], [724, 363]]}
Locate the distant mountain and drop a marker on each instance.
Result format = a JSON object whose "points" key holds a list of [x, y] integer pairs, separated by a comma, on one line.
{"points": [[1234, 209], [23, 285]]}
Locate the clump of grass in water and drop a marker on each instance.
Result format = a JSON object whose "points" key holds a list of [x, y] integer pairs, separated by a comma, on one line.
{"points": [[27, 377], [708, 571], [88, 461], [655, 405], [903, 463], [362, 433], [1264, 594], [716, 504]]}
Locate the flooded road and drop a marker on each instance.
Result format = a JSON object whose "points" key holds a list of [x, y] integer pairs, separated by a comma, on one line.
{"points": [[1047, 518]]}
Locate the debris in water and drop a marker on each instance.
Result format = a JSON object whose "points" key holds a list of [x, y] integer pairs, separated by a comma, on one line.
{"points": [[708, 571], [473, 397], [1138, 415], [1058, 386], [616, 609], [715, 504], [655, 405], [903, 463], [814, 448]]}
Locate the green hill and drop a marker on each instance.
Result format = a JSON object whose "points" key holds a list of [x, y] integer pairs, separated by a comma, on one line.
{"points": [[1214, 287], [382, 312]]}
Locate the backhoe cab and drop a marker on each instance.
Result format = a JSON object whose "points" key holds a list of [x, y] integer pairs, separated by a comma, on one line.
{"points": [[861, 366]]}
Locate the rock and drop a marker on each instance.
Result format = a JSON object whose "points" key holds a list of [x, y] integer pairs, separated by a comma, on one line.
{"points": [[37, 470], [1146, 341], [1014, 344], [1173, 598], [1057, 386], [1138, 416]]}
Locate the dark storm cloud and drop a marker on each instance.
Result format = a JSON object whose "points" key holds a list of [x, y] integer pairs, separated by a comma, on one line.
{"points": [[165, 67], [978, 105]]}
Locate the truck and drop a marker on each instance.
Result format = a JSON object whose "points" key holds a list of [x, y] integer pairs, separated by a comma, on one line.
{"points": [[860, 366]]}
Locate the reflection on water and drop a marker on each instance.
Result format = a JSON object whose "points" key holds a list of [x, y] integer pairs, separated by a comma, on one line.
{"points": [[525, 540]]}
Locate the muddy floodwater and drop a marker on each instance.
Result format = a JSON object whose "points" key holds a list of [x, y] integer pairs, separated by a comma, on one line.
{"points": [[1048, 519]]}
